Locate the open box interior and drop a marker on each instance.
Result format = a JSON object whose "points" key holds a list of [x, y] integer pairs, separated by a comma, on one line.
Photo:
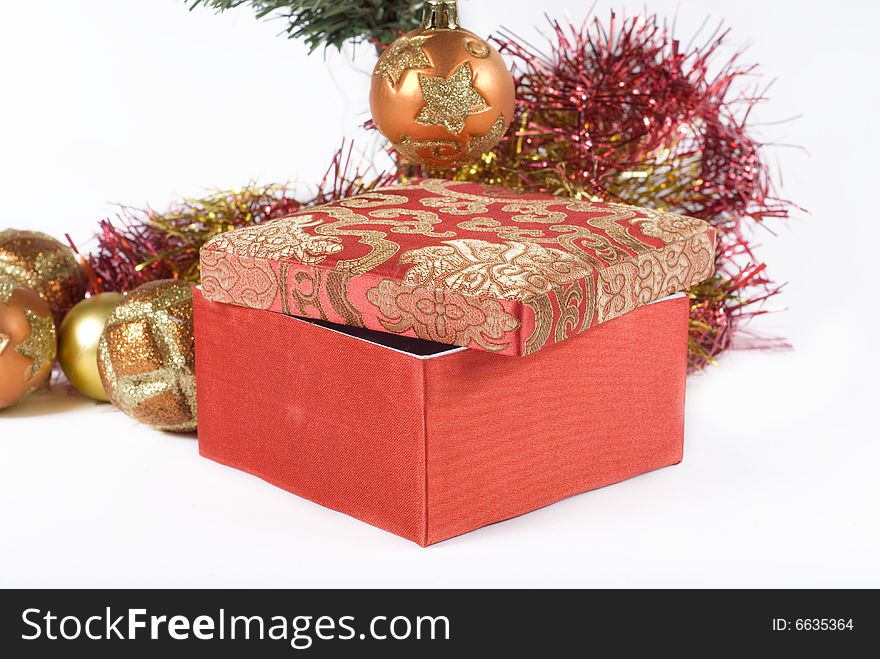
{"points": [[418, 348]]}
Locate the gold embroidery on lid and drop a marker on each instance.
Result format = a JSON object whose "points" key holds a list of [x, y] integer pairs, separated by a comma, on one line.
{"points": [[337, 293], [569, 299], [443, 315], [622, 288], [590, 308], [283, 278], [306, 292], [510, 270], [228, 277], [575, 263], [668, 227], [543, 308], [281, 239], [346, 223], [374, 200]]}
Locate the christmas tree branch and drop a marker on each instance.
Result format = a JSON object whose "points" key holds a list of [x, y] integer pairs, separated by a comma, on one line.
{"points": [[332, 22]]}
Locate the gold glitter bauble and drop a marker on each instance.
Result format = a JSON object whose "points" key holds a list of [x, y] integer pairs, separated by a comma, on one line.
{"points": [[45, 265], [441, 94], [27, 341], [78, 339], [146, 356]]}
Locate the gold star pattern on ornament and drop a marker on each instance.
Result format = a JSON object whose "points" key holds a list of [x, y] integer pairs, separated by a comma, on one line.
{"points": [[39, 347], [404, 54], [448, 102]]}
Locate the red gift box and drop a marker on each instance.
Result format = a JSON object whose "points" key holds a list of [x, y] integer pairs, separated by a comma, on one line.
{"points": [[327, 359], [429, 447]]}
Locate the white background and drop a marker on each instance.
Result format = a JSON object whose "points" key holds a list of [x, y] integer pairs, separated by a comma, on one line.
{"points": [[136, 102]]}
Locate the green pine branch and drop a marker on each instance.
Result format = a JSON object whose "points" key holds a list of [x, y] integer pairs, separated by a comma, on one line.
{"points": [[332, 22]]}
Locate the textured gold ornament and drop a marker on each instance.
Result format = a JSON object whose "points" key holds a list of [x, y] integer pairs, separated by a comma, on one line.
{"points": [[27, 342], [78, 339], [43, 264], [146, 356], [477, 48], [7, 287], [405, 53], [440, 94]]}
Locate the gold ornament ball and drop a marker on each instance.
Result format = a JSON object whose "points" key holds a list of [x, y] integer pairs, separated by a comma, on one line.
{"points": [[45, 265], [440, 94], [146, 356], [78, 339], [27, 342]]}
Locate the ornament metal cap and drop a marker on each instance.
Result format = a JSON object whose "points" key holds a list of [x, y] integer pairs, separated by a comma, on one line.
{"points": [[440, 15]]}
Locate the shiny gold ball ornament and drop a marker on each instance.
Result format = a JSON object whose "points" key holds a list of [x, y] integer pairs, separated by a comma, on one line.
{"points": [[78, 339], [442, 95], [146, 356], [27, 341], [45, 265]]}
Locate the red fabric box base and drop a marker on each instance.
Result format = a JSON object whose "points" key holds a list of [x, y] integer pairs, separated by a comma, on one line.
{"points": [[433, 447]]}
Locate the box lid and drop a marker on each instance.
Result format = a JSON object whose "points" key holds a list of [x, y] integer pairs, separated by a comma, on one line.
{"points": [[460, 263]]}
